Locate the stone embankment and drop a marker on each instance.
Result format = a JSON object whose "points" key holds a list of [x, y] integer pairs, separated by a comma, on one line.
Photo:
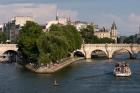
{"points": [[52, 69]]}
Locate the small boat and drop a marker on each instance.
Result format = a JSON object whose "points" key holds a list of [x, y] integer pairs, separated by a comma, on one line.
{"points": [[122, 70], [55, 83]]}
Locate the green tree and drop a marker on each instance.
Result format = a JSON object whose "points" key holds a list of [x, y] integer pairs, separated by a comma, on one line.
{"points": [[28, 41], [129, 39], [70, 33], [46, 47], [58, 43], [2, 37], [52, 47]]}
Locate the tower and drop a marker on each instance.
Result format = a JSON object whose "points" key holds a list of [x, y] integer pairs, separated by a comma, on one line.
{"points": [[56, 16], [69, 20], [114, 32]]}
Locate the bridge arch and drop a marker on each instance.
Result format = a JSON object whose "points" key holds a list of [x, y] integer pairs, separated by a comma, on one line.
{"points": [[122, 51], [10, 51], [98, 53], [109, 49], [10, 56], [79, 53]]}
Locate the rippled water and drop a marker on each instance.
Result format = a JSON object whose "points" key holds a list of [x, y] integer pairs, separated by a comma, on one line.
{"points": [[85, 76]]}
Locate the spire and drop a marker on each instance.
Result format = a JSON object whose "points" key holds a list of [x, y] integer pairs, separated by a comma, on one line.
{"points": [[103, 28], [69, 20], [114, 26], [56, 15]]}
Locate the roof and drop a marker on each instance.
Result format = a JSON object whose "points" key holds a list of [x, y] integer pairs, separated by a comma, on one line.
{"points": [[114, 26]]}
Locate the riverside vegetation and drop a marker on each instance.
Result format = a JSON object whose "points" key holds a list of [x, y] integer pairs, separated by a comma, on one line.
{"points": [[40, 47]]}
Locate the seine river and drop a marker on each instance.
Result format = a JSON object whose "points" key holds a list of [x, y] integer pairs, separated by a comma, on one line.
{"points": [[85, 76]]}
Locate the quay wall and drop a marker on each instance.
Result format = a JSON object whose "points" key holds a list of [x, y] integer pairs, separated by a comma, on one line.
{"points": [[43, 69]]}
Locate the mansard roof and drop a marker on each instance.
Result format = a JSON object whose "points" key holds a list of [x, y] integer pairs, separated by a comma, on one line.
{"points": [[103, 30]]}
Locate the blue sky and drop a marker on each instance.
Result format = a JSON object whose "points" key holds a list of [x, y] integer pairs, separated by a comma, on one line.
{"points": [[126, 13]]}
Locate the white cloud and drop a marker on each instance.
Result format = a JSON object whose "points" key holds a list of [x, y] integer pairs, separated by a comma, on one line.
{"points": [[41, 12]]}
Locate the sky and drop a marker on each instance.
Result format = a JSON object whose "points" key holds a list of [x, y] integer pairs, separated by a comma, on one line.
{"points": [[125, 13]]}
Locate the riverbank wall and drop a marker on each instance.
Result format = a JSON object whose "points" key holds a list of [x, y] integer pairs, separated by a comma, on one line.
{"points": [[55, 68]]}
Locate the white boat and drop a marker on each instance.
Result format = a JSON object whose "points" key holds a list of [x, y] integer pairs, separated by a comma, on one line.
{"points": [[122, 70]]}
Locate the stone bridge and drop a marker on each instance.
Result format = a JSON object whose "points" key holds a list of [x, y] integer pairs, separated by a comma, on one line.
{"points": [[7, 47], [110, 49]]}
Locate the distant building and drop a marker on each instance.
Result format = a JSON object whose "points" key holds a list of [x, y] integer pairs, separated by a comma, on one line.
{"points": [[11, 31], [101, 33], [80, 25], [58, 20], [109, 33], [1, 27], [21, 20], [12, 28]]}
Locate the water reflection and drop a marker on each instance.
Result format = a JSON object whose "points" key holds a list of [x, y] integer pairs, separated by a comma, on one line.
{"points": [[138, 55], [122, 78]]}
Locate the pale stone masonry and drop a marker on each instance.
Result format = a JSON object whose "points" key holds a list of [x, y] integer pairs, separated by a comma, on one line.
{"points": [[21, 20], [109, 33], [110, 49]]}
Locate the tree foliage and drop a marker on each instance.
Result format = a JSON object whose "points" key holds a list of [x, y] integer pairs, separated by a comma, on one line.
{"points": [[129, 39], [2, 37], [28, 41], [59, 42], [46, 47]]}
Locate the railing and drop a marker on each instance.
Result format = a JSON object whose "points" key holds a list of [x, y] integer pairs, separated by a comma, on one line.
{"points": [[112, 45], [8, 45]]}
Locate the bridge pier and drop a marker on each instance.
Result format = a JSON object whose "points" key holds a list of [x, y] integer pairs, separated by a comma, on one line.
{"points": [[110, 57], [88, 56], [109, 54]]}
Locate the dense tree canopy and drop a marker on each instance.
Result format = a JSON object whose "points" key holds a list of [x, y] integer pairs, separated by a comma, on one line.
{"points": [[2, 37], [27, 41], [59, 42], [46, 47], [130, 39]]}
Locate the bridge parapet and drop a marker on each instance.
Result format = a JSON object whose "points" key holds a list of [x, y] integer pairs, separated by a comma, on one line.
{"points": [[6, 47]]}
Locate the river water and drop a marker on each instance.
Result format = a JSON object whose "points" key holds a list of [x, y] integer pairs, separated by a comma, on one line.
{"points": [[84, 76]]}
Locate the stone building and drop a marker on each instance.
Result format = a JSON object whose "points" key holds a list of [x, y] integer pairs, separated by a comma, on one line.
{"points": [[80, 25], [12, 28], [58, 20], [21, 20], [109, 33]]}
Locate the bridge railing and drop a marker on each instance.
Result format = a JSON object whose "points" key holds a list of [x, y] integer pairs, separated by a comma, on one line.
{"points": [[112, 45], [8, 45]]}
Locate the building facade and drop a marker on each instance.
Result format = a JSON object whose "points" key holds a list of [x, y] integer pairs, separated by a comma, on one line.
{"points": [[58, 20], [21, 20], [109, 33], [80, 25], [12, 28]]}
